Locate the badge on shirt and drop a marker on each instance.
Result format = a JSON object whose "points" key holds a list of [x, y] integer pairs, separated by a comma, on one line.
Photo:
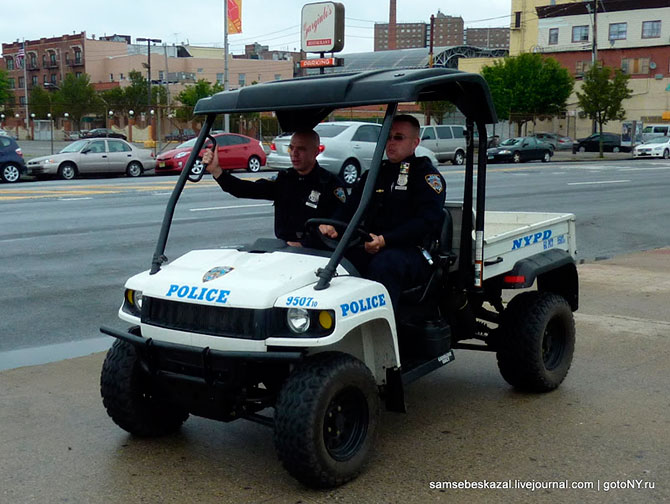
{"points": [[435, 181], [340, 194], [313, 199]]}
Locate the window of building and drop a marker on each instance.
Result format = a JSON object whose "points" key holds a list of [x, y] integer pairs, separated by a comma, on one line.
{"points": [[45, 78], [22, 100], [44, 60], [219, 78], [553, 36], [77, 74], [618, 31], [581, 67], [242, 79], [54, 80], [33, 60], [77, 56], [67, 58], [580, 33], [633, 66], [121, 77], [651, 29], [22, 82], [517, 19], [10, 63], [277, 76], [33, 80], [12, 83], [52, 58]]}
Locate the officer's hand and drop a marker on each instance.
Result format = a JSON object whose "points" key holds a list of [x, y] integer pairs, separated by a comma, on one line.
{"points": [[294, 244], [212, 163], [328, 230], [375, 245]]}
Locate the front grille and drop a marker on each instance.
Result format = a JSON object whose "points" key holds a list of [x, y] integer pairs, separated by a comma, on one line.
{"points": [[243, 323]]}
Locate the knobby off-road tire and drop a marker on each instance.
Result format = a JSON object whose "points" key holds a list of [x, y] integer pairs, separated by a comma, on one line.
{"points": [[325, 420], [127, 398], [537, 341]]}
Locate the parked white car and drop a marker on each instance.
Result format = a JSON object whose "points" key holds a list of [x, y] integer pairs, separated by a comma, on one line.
{"points": [[97, 155], [346, 149], [655, 147]]}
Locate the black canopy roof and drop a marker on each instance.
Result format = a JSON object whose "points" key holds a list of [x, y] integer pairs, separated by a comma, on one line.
{"points": [[304, 102]]}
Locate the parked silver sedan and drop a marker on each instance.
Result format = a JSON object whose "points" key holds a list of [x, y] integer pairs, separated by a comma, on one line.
{"points": [[99, 155], [346, 149]]}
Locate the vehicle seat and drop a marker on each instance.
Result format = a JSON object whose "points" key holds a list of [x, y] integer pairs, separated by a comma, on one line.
{"points": [[443, 257]]}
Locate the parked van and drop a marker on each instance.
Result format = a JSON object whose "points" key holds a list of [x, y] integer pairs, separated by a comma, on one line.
{"points": [[446, 141], [650, 131]]}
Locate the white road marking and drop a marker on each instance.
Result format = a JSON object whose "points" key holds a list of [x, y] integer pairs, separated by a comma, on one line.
{"points": [[73, 199], [600, 182], [227, 207], [664, 168]]}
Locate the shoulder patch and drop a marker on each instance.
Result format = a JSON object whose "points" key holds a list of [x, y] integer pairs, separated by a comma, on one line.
{"points": [[340, 194], [435, 182]]}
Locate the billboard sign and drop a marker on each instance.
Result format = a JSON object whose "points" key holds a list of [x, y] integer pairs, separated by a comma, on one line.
{"points": [[322, 27]]}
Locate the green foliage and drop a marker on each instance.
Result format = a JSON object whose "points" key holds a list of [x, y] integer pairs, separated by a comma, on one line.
{"points": [[437, 109], [603, 92], [190, 96], [526, 86], [76, 96], [6, 95], [41, 102]]}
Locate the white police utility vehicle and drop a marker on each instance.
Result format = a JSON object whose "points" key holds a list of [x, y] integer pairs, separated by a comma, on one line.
{"points": [[296, 339]]}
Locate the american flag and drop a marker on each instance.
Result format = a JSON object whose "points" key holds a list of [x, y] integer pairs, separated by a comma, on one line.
{"points": [[20, 57]]}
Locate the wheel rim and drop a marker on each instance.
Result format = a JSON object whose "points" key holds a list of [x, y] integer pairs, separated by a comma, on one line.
{"points": [[350, 173], [517, 157], [582, 149], [547, 157], [666, 154], [134, 170], [11, 173], [615, 149], [345, 424], [67, 172], [459, 158], [553, 344], [197, 167], [254, 164]]}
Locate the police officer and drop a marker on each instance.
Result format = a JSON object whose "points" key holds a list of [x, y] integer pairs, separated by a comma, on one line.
{"points": [[303, 192], [405, 213]]}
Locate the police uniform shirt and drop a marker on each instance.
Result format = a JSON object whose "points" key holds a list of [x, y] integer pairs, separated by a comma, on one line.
{"points": [[296, 198], [406, 205]]}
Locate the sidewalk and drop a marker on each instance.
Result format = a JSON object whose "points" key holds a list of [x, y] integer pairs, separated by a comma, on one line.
{"points": [[608, 420]]}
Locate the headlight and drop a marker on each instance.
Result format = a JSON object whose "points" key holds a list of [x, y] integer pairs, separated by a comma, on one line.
{"points": [[298, 320], [181, 155], [504, 151], [132, 303]]}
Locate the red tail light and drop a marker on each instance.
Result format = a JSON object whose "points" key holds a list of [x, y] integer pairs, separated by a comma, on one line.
{"points": [[19, 152], [514, 279], [273, 147], [322, 148]]}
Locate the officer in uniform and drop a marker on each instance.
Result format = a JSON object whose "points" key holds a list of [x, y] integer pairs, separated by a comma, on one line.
{"points": [[302, 192], [404, 215]]}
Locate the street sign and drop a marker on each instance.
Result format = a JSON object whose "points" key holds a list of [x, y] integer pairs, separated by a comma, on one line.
{"points": [[322, 27], [320, 62]]}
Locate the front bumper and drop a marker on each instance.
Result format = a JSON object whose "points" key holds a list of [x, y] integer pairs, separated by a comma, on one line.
{"points": [[41, 169], [170, 165]]}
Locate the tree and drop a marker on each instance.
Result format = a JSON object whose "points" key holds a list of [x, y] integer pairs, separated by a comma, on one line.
{"points": [[76, 96], [190, 96], [6, 95], [40, 102], [437, 109], [528, 85], [602, 96]]}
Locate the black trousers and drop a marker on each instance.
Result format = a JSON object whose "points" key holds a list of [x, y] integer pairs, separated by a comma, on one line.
{"points": [[396, 268]]}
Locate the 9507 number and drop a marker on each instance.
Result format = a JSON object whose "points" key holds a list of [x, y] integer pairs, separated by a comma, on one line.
{"points": [[306, 302]]}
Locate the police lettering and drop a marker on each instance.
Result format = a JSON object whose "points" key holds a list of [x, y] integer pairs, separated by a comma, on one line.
{"points": [[363, 305], [198, 293], [531, 239]]}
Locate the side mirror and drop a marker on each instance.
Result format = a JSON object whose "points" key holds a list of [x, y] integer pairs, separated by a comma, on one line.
{"points": [[426, 137], [86, 150]]}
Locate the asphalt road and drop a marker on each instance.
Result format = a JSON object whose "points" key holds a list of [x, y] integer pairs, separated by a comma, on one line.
{"points": [[67, 248]]}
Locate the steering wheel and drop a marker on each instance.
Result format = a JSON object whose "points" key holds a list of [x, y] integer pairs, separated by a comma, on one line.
{"points": [[196, 172], [360, 234]]}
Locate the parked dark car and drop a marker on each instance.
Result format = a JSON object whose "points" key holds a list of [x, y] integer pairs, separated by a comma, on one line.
{"points": [[102, 133], [520, 149], [12, 164], [180, 135], [611, 143]]}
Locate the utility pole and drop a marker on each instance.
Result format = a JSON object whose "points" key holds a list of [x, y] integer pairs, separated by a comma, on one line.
{"points": [[595, 32], [148, 41], [225, 60]]}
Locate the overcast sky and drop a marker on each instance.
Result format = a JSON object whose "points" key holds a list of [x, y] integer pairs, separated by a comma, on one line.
{"points": [[270, 22]]}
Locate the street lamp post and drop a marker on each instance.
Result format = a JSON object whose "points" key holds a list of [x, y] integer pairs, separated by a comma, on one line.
{"points": [[66, 126], [17, 116], [2, 120], [131, 113], [148, 41], [51, 131], [32, 126], [110, 115]]}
